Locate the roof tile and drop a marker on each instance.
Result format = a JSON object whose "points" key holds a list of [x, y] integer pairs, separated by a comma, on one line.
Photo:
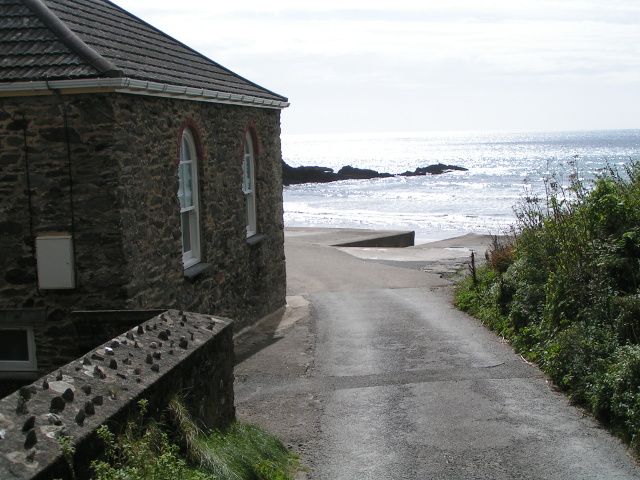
{"points": [[31, 51]]}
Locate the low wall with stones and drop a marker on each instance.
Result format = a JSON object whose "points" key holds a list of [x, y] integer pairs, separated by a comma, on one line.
{"points": [[174, 352]]}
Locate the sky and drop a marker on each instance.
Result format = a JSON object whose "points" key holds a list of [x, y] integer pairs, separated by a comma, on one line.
{"points": [[367, 66]]}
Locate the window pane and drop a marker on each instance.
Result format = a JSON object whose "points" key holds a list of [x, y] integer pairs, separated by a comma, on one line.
{"points": [[188, 192], [181, 185], [246, 170], [185, 192], [14, 345], [185, 148], [186, 231]]}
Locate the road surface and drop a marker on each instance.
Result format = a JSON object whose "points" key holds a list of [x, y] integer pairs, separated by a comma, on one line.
{"points": [[372, 374]]}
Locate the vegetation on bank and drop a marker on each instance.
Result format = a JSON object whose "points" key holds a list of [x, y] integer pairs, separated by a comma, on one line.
{"points": [[148, 450], [564, 289]]}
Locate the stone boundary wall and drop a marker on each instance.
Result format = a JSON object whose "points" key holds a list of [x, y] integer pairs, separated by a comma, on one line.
{"points": [[174, 352]]}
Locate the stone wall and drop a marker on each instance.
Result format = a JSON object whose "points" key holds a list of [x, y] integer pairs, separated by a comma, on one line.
{"points": [[102, 167], [172, 353]]}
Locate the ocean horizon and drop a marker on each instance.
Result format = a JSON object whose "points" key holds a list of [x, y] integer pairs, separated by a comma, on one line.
{"points": [[503, 168]]}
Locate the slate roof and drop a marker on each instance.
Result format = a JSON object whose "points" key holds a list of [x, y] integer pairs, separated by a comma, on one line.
{"points": [[82, 39]]}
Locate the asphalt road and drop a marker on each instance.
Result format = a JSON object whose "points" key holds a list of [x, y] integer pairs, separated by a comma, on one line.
{"points": [[372, 374]]}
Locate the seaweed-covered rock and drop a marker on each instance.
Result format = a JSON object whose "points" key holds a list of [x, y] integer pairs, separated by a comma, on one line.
{"points": [[436, 169], [297, 175]]}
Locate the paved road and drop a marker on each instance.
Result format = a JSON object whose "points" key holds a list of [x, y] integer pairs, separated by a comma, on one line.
{"points": [[371, 374]]}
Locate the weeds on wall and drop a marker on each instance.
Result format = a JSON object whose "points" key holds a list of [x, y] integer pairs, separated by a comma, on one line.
{"points": [[564, 289]]}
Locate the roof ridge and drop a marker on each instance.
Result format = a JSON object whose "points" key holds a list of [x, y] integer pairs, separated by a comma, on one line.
{"points": [[71, 40]]}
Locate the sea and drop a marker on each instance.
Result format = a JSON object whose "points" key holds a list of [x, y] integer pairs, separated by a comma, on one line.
{"points": [[503, 169]]}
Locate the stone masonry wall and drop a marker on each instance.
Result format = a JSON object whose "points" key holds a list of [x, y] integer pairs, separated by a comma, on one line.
{"points": [[173, 353], [103, 167]]}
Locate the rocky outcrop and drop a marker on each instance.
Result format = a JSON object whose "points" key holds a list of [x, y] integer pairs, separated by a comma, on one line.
{"points": [[296, 175], [436, 169]]}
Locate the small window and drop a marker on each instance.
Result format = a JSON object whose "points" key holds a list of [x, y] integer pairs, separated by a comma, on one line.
{"points": [[188, 196], [17, 352], [249, 186]]}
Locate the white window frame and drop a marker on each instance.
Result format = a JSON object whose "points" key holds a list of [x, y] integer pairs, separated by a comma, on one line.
{"points": [[17, 369], [189, 207], [249, 186]]}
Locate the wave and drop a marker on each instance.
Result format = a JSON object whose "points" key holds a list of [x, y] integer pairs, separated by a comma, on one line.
{"points": [[503, 167]]}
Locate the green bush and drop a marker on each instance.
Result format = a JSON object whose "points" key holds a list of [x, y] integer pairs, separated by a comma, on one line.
{"points": [[143, 452], [148, 450], [616, 397], [566, 292], [143, 455]]}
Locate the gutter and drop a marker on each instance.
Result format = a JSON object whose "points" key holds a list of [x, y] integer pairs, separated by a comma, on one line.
{"points": [[136, 87]]}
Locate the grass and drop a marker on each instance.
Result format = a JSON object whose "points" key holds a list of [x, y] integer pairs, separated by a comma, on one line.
{"points": [[564, 289], [244, 452], [152, 451]]}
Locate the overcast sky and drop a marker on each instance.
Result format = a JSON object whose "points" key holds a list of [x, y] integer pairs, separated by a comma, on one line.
{"points": [[351, 66]]}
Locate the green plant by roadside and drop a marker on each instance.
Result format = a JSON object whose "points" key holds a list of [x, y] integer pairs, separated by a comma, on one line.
{"points": [[142, 451], [246, 452], [565, 291], [68, 449], [238, 452], [148, 450]]}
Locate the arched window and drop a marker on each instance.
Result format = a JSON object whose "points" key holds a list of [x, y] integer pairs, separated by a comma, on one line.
{"points": [[249, 185], [188, 196]]}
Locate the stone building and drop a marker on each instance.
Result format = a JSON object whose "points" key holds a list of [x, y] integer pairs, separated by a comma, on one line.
{"points": [[136, 175]]}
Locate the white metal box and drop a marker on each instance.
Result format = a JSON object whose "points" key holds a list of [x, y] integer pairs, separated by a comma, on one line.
{"points": [[54, 255]]}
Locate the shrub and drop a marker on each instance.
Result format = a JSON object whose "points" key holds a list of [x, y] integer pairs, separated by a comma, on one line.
{"points": [[616, 398], [566, 292], [148, 450], [143, 452]]}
